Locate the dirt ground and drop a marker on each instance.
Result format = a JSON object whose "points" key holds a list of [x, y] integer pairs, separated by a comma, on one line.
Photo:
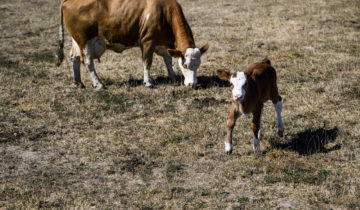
{"points": [[132, 147]]}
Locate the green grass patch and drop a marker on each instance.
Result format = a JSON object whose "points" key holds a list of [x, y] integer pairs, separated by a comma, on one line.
{"points": [[298, 174], [200, 205], [172, 140], [110, 100], [272, 178], [46, 56], [173, 168], [13, 68], [243, 200], [6, 63]]}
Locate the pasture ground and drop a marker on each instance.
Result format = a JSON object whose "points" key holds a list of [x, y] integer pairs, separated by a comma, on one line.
{"points": [[163, 148]]}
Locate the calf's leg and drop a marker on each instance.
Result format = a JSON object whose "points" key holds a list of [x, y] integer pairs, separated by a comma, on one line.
{"points": [[255, 125], [279, 122], [233, 115], [277, 101]]}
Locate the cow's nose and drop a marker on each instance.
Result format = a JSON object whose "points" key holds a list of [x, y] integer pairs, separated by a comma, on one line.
{"points": [[238, 97]]}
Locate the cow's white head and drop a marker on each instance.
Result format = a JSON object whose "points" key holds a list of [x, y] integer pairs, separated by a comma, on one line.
{"points": [[189, 62], [238, 81]]}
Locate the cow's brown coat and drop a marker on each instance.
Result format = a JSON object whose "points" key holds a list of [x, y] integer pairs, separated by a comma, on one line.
{"points": [[148, 23]]}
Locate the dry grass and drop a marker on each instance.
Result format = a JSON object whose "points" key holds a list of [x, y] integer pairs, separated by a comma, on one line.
{"points": [[133, 147]]}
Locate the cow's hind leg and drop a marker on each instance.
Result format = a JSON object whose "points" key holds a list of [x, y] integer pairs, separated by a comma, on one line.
{"points": [[75, 59], [89, 63], [76, 68]]}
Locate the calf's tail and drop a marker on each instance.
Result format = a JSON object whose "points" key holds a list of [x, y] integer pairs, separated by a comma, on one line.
{"points": [[60, 50]]}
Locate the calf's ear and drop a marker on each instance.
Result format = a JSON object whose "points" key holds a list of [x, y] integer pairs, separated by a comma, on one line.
{"points": [[204, 48], [223, 75], [175, 53]]}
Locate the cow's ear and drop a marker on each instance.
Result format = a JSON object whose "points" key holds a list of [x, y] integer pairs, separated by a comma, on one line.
{"points": [[175, 53], [204, 48], [223, 75]]}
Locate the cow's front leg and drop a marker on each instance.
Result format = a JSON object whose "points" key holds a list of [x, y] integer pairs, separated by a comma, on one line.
{"points": [[170, 70], [233, 115], [255, 125], [89, 63], [147, 56]]}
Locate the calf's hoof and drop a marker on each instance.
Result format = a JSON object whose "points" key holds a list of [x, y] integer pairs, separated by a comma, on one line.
{"points": [[256, 144], [228, 148]]}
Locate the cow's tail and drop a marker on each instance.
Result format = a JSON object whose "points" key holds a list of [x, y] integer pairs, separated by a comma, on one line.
{"points": [[60, 50]]}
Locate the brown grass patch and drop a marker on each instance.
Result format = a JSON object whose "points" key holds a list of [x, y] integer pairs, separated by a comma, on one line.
{"points": [[133, 147]]}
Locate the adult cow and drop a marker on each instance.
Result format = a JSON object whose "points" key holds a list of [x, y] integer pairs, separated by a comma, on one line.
{"points": [[154, 25]]}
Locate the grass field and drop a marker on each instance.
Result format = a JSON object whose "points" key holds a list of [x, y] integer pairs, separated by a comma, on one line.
{"points": [[129, 146]]}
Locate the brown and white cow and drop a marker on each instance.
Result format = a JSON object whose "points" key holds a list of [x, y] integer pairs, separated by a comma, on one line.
{"points": [[154, 25], [250, 90]]}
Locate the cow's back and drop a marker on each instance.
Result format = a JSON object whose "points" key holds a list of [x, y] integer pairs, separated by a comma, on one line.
{"points": [[120, 21]]}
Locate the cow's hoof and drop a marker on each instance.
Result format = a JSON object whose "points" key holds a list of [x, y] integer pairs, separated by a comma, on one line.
{"points": [[148, 84], [79, 84], [280, 133], [172, 78], [99, 86]]}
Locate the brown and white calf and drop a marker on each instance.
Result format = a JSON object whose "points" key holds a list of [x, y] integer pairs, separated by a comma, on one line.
{"points": [[250, 90], [154, 25]]}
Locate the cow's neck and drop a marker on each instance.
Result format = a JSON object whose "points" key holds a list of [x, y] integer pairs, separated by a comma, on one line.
{"points": [[182, 33]]}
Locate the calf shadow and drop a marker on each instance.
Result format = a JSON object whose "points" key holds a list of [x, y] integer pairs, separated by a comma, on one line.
{"points": [[204, 82], [309, 141]]}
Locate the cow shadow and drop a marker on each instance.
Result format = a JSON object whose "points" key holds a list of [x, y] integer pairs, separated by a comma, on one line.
{"points": [[204, 82], [131, 82], [211, 81], [310, 141]]}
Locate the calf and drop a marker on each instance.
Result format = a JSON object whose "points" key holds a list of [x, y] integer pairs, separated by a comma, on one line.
{"points": [[250, 90], [156, 26]]}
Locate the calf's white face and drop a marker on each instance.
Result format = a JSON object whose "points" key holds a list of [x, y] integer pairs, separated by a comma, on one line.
{"points": [[238, 80], [189, 64]]}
